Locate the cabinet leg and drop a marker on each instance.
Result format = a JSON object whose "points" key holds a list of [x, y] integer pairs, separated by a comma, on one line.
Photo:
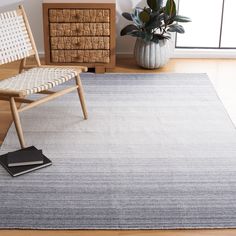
{"points": [[100, 69]]}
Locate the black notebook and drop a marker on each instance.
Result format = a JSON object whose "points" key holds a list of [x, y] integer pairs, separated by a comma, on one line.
{"points": [[20, 170], [24, 158]]}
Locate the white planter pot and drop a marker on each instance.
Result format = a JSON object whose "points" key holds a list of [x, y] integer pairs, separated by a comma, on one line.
{"points": [[152, 55]]}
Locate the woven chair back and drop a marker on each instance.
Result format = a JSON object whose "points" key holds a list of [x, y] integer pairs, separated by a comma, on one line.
{"points": [[15, 42]]}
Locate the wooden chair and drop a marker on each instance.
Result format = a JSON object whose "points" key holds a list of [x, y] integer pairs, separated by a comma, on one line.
{"points": [[17, 43]]}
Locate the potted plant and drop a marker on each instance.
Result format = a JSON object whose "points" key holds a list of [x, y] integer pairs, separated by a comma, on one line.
{"points": [[153, 26]]}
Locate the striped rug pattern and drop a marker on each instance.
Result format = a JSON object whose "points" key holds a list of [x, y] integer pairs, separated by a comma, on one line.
{"points": [[157, 152]]}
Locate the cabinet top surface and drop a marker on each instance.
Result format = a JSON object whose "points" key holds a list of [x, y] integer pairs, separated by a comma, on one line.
{"points": [[79, 1]]}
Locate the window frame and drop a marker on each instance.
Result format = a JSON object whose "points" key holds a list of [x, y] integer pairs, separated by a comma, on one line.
{"points": [[207, 48]]}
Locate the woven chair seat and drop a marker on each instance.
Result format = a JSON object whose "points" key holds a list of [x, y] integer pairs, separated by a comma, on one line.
{"points": [[17, 43], [37, 80]]}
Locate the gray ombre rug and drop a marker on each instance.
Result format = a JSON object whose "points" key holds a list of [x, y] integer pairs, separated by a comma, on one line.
{"points": [[158, 152]]}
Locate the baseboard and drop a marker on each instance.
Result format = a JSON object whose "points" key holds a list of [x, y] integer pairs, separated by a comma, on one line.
{"points": [[124, 55], [185, 53], [204, 53]]}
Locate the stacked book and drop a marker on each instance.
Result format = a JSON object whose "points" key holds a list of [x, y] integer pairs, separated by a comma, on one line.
{"points": [[24, 161]]}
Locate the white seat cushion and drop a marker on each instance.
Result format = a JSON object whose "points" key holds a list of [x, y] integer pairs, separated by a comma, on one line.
{"points": [[37, 79]]}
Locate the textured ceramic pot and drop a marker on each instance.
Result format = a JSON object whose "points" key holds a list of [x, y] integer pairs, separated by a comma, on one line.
{"points": [[152, 55]]}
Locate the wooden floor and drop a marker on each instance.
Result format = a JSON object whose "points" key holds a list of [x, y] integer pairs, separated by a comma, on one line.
{"points": [[222, 73]]}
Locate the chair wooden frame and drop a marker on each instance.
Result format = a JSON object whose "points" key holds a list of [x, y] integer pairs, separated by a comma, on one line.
{"points": [[18, 96]]}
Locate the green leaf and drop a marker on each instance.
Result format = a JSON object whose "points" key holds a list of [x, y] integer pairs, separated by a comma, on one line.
{"points": [[144, 16], [176, 28], [155, 5], [139, 34], [136, 18], [127, 16], [148, 10], [157, 37], [148, 37], [137, 11], [170, 8], [155, 22], [128, 29], [179, 18]]}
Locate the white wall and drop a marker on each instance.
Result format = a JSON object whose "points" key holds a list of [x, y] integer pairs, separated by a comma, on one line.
{"points": [[34, 11]]}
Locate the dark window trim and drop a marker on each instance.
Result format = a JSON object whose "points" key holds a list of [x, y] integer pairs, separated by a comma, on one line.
{"points": [[221, 24]]}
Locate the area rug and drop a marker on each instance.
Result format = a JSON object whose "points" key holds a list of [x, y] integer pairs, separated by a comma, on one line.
{"points": [[158, 152]]}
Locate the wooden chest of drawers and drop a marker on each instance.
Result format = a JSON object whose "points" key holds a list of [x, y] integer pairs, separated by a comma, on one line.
{"points": [[80, 34]]}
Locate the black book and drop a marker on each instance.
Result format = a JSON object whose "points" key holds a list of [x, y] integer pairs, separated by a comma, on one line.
{"points": [[24, 158], [20, 170]]}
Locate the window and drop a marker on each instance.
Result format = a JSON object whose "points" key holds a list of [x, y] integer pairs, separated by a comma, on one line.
{"points": [[212, 24]]}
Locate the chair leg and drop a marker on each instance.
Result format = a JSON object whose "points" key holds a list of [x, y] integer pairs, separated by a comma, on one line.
{"points": [[17, 122], [81, 96], [22, 65]]}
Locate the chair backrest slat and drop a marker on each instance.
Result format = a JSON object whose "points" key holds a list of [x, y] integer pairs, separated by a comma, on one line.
{"points": [[15, 43]]}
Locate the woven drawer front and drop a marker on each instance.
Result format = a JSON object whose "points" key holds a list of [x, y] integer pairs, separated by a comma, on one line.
{"points": [[80, 43], [80, 56], [79, 15], [79, 29]]}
